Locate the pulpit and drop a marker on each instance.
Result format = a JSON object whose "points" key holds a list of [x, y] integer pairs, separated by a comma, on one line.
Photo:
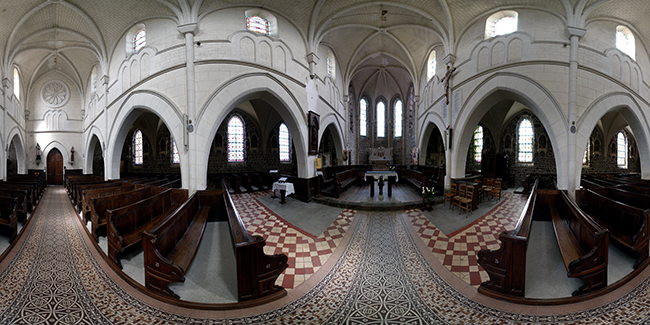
{"points": [[380, 158]]}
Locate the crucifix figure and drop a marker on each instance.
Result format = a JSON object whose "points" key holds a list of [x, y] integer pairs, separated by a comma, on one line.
{"points": [[446, 81]]}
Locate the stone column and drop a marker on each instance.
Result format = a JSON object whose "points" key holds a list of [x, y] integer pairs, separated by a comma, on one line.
{"points": [[189, 30], [6, 86], [574, 35], [449, 61], [104, 80]]}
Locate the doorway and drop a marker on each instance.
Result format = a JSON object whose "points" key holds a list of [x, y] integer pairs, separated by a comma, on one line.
{"points": [[55, 167]]}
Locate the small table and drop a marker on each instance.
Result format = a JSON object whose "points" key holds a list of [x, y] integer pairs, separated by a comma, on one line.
{"points": [[374, 175], [285, 189]]}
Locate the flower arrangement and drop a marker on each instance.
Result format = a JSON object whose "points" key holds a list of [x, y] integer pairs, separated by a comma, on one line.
{"points": [[391, 168], [380, 181], [427, 194]]}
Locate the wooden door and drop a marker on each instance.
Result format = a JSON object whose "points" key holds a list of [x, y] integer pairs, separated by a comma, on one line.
{"points": [[55, 167]]}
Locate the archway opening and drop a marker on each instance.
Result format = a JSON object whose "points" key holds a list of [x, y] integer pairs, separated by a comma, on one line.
{"points": [[329, 147], [149, 149], [95, 157], [12, 160], [248, 145]]}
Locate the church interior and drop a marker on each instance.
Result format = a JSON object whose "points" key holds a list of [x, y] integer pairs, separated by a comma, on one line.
{"points": [[324, 162]]}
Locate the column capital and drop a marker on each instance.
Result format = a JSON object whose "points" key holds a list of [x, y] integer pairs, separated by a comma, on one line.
{"points": [[104, 80], [449, 58], [575, 31], [188, 28], [6, 83]]}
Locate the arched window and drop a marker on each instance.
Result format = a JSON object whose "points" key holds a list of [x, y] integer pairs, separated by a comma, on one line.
{"points": [[283, 140], [525, 141], [381, 119], [363, 111], [93, 79], [625, 41], [235, 139], [431, 65], [257, 24], [621, 152], [176, 157], [137, 147], [478, 143], [501, 23], [16, 83], [399, 111], [139, 40], [331, 65]]}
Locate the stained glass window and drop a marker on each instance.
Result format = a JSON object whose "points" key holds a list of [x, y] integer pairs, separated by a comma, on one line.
{"points": [[284, 142], [586, 155], [501, 23], [139, 40], [432, 65], [525, 141], [363, 108], [621, 152], [478, 143], [176, 157], [16, 83], [625, 41], [257, 24], [235, 139], [331, 65], [398, 118], [381, 119], [137, 147], [411, 104]]}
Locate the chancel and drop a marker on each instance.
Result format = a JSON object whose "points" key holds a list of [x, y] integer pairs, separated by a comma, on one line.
{"points": [[324, 162]]}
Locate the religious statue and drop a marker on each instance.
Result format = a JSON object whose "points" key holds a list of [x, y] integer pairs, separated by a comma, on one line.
{"points": [[446, 81], [38, 153]]}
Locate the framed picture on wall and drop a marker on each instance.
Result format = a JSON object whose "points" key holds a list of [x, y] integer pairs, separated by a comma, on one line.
{"points": [[314, 125]]}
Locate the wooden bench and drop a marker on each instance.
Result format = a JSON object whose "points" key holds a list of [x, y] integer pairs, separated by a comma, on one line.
{"points": [[79, 192], [344, 179], [100, 205], [629, 225], [88, 195], [506, 266], [583, 243], [22, 205], [169, 248], [31, 195], [9, 216], [412, 177], [126, 224], [256, 271]]}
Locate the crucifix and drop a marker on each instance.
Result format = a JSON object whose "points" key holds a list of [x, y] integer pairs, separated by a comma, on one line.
{"points": [[446, 80]]}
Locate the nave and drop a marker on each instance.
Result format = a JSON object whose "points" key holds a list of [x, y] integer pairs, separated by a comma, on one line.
{"points": [[381, 272]]}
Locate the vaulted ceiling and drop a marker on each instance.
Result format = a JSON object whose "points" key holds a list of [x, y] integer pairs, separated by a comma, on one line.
{"points": [[362, 33]]}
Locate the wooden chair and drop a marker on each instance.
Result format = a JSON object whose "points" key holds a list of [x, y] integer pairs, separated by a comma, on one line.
{"points": [[480, 194], [496, 191], [462, 188], [450, 195], [489, 185], [466, 201]]}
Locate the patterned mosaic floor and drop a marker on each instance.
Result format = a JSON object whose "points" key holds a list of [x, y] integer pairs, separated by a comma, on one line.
{"points": [[380, 277], [457, 251]]}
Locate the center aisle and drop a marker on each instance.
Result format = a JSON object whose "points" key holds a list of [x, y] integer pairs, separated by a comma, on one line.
{"points": [[380, 277]]}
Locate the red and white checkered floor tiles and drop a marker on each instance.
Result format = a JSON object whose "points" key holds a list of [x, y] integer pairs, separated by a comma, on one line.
{"points": [[456, 251]]}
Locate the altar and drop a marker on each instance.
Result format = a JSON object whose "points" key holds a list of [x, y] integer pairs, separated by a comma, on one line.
{"points": [[380, 158]]}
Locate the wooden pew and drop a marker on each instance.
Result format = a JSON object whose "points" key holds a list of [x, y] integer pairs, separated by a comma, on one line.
{"points": [[256, 271], [413, 177], [22, 205], [169, 247], [31, 199], [583, 243], [79, 192], [629, 226], [126, 224], [100, 205], [100, 192], [506, 266], [344, 179], [9, 216]]}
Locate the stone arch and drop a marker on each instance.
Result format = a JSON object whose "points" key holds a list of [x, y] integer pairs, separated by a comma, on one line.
{"points": [[635, 116], [334, 124], [431, 120], [93, 138], [19, 143], [501, 86], [238, 90], [133, 106], [55, 144]]}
